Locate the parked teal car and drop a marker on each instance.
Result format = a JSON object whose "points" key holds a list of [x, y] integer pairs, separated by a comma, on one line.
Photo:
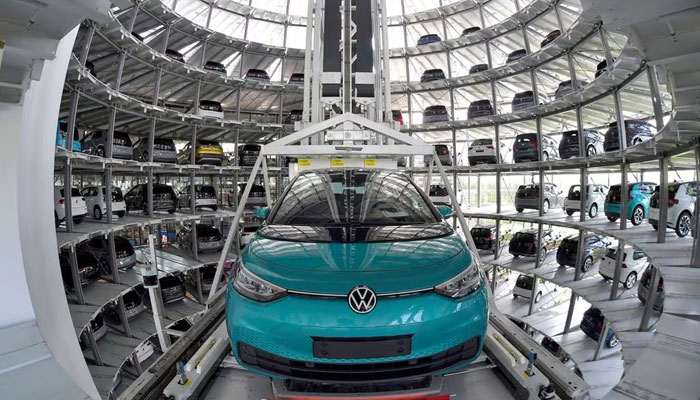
{"points": [[638, 199], [62, 133], [356, 277]]}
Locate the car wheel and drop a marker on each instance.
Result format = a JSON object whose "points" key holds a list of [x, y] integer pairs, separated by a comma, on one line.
{"points": [[145, 208], [538, 297], [587, 264], [545, 207], [683, 224], [77, 220], [97, 213], [214, 208], [569, 212], [591, 151], [515, 296], [614, 341], [121, 214], [593, 212], [636, 141], [545, 156], [100, 151], [611, 218], [519, 209], [171, 211], [144, 156], [631, 280], [637, 215]]}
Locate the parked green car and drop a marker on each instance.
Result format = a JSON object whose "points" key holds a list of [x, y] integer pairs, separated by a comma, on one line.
{"points": [[638, 199]]}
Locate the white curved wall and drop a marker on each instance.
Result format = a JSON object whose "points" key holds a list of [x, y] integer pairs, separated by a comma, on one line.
{"points": [[39, 352]]}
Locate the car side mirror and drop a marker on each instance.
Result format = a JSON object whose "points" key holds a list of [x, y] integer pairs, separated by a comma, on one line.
{"points": [[261, 212], [445, 211]]}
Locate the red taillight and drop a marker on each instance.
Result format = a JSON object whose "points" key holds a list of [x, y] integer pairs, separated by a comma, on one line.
{"points": [[671, 202], [661, 286], [537, 193], [490, 237], [599, 324], [471, 148], [60, 202], [489, 147], [630, 198], [628, 131], [533, 144], [624, 265]]}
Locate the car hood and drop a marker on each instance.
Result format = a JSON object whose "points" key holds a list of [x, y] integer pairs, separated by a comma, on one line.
{"points": [[336, 267]]}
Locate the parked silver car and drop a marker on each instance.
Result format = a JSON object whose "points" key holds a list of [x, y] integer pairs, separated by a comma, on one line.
{"points": [[527, 196], [435, 114], [681, 206], [595, 198]]}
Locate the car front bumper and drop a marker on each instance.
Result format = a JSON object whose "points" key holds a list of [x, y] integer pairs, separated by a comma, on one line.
{"points": [[284, 328]]}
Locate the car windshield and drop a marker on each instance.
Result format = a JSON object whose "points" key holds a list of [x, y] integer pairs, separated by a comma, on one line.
{"points": [[353, 198]]}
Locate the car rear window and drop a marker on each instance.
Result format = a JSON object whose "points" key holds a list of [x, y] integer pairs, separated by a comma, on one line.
{"points": [[481, 232], [161, 189], [122, 139], [75, 192], [438, 190], [526, 137], [529, 190], [435, 110], [524, 282], [205, 189], [524, 236], [482, 142], [251, 147]]}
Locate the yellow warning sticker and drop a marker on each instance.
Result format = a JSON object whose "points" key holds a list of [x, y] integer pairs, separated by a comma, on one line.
{"points": [[337, 162], [524, 374], [370, 162], [304, 162]]}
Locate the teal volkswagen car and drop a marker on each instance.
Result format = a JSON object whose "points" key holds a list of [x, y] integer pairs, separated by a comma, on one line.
{"points": [[638, 201], [355, 277]]}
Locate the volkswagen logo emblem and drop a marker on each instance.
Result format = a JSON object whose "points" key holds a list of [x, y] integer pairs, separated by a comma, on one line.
{"points": [[362, 299]]}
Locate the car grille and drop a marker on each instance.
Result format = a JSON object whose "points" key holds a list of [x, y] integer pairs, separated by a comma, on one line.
{"points": [[362, 372]]}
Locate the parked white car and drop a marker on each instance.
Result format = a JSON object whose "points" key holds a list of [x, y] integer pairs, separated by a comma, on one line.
{"points": [[681, 206], [595, 199], [634, 262], [209, 109], [523, 287], [482, 151], [97, 203], [78, 208]]}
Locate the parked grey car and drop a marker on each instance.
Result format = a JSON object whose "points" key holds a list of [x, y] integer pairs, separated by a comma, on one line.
{"points": [[595, 199], [163, 150], [96, 144], [443, 153], [526, 148], [523, 100], [435, 114], [527, 196], [567, 87]]}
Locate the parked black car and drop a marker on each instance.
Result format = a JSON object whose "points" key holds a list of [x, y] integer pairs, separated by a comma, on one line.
{"points": [[215, 66], [163, 150], [257, 74], [164, 198], [209, 238], [594, 248], [248, 154], [470, 30], [133, 305], [480, 108], [206, 275], [172, 287], [88, 267], [478, 68], [526, 148], [293, 116], [522, 100], [524, 243], [90, 67], [568, 145], [435, 114], [125, 255], [643, 290], [175, 55], [635, 131], [296, 78], [550, 37], [601, 68], [485, 236], [592, 326], [432, 75], [516, 55]]}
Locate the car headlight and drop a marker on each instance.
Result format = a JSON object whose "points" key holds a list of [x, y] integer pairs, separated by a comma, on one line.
{"points": [[463, 284], [253, 287]]}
